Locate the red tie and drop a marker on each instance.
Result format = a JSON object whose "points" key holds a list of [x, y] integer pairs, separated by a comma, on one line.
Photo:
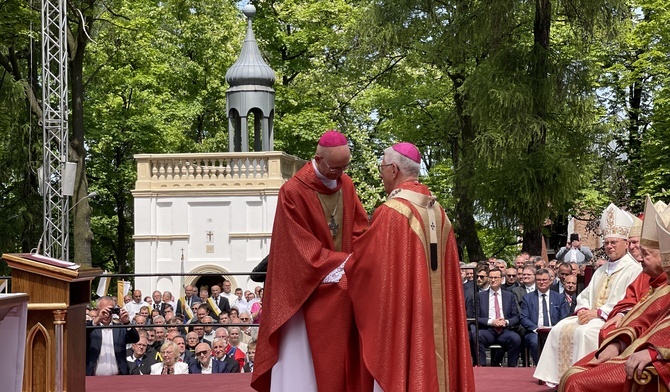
{"points": [[497, 307]]}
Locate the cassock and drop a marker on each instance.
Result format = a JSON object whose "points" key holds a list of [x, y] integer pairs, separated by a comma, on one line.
{"points": [[568, 340], [306, 333], [647, 326], [641, 288], [412, 321]]}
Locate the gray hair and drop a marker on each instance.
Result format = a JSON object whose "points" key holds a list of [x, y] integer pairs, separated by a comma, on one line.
{"points": [[404, 164]]}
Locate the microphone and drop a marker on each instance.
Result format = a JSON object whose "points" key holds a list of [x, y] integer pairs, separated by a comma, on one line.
{"points": [[39, 244]]}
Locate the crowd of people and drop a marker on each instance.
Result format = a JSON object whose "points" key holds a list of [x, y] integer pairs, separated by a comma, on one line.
{"points": [[322, 339], [613, 327], [523, 311], [210, 330]]}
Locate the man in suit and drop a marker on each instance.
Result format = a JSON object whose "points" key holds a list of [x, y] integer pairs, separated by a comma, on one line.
{"points": [[205, 364], [138, 361], [478, 284], [158, 305], [527, 285], [541, 308], [190, 297], [497, 314], [217, 302], [219, 349], [570, 292], [106, 347], [564, 269], [510, 279]]}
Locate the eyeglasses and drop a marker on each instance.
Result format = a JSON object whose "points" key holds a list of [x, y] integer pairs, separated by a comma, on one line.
{"points": [[332, 169], [381, 167], [244, 318], [199, 353], [511, 276], [481, 276], [494, 277]]}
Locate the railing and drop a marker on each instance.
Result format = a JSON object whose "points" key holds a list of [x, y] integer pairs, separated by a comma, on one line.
{"points": [[214, 170], [214, 324]]}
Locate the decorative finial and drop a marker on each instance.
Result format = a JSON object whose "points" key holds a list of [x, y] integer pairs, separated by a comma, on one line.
{"points": [[249, 10]]}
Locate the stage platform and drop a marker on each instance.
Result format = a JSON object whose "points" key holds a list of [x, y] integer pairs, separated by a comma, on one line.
{"points": [[488, 379]]}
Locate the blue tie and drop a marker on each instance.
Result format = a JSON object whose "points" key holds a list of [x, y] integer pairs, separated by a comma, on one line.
{"points": [[545, 313]]}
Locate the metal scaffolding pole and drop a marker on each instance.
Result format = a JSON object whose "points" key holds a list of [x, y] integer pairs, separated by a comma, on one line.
{"points": [[54, 127]]}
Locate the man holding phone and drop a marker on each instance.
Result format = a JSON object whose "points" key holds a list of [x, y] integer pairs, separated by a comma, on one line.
{"points": [[573, 251]]}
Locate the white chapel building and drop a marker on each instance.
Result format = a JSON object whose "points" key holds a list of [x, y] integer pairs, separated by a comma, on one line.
{"points": [[213, 213]]}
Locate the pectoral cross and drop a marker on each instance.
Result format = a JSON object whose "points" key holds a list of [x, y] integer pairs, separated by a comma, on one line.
{"points": [[209, 236], [334, 227]]}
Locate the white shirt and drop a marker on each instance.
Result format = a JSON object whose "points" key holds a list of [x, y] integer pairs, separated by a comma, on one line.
{"points": [[561, 289], [530, 289], [231, 298], [492, 305], [106, 365], [133, 308], [208, 369], [178, 368], [240, 304]]}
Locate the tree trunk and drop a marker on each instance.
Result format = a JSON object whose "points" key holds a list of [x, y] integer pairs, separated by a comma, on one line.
{"points": [[462, 152], [532, 241], [532, 236]]}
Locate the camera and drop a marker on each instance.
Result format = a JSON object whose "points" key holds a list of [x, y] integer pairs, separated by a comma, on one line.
{"points": [[574, 237], [115, 310]]}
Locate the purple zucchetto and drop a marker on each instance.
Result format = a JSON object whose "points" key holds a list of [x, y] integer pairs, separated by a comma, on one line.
{"points": [[409, 150], [332, 138]]}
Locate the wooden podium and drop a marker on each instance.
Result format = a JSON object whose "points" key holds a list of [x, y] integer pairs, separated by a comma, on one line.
{"points": [[55, 356]]}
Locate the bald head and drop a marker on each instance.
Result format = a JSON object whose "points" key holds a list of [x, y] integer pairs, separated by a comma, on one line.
{"points": [[332, 161]]}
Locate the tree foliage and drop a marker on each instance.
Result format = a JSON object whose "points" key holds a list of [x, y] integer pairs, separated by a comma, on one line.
{"points": [[525, 112]]}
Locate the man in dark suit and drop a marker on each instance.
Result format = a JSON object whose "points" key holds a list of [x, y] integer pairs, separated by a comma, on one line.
{"points": [[478, 284], [570, 293], [218, 302], [158, 304], [138, 361], [497, 314], [527, 284], [564, 269], [510, 279], [190, 297], [541, 308], [208, 365], [113, 340], [470, 288]]}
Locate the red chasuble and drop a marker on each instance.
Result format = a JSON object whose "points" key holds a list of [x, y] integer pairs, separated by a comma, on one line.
{"points": [[611, 375], [411, 318], [302, 253], [638, 327], [638, 290]]}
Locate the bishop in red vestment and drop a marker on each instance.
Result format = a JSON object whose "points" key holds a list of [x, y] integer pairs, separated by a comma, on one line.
{"points": [[307, 313], [404, 280]]}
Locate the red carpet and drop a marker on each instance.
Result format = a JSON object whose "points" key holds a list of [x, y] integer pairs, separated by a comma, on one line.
{"points": [[488, 379]]}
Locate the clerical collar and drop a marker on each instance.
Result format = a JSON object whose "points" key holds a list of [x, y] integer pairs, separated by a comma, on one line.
{"points": [[330, 184], [611, 266]]}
